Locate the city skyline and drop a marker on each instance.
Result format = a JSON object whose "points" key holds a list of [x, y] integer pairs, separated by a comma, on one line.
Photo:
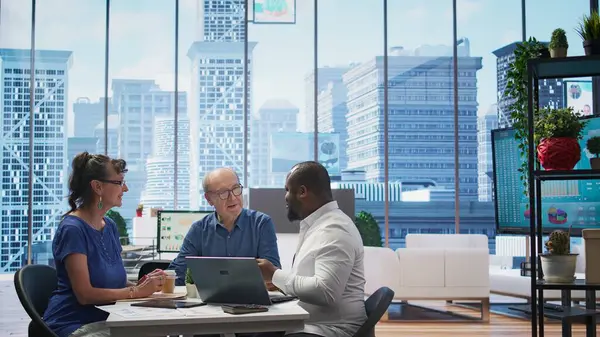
{"points": [[141, 49]]}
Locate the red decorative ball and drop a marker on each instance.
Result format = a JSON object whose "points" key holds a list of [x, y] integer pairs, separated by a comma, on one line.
{"points": [[560, 153]]}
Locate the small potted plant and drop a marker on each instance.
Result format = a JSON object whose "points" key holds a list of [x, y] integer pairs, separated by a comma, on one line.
{"points": [[139, 210], [593, 147], [558, 43], [557, 135], [589, 30], [192, 291], [558, 264]]}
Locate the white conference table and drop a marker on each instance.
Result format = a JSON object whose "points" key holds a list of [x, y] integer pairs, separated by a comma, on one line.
{"points": [[126, 321]]}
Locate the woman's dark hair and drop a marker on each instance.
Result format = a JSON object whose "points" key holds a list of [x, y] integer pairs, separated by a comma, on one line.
{"points": [[85, 168]]}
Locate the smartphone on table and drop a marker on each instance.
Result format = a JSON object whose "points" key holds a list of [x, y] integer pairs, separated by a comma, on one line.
{"points": [[239, 309]]}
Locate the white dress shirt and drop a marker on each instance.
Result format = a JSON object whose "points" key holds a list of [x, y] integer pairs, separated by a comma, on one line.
{"points": [[328, 274]]}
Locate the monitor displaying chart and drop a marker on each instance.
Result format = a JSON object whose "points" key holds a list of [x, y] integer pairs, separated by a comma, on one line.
{"points": [[564, 203], [173, 226]]}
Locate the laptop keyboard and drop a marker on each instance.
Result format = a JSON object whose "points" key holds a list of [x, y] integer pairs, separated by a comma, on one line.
{"points": [[281, 298]]}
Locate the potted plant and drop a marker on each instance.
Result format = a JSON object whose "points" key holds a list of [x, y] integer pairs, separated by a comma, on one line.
{"points": [[558, 43], [139, 210], [557, 135], [517, 94], [192, 291], [593, 147], [558, 264], [589, 30]]}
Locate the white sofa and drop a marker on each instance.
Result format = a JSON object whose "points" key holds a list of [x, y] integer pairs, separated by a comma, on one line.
{"points": [[507, 281], [433, 267]]}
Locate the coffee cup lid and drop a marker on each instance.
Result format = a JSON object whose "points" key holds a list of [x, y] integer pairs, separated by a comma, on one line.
{"points": [[170, 272]]}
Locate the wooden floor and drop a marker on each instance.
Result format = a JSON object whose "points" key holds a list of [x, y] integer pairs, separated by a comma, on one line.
{"points": [[14, 321]]}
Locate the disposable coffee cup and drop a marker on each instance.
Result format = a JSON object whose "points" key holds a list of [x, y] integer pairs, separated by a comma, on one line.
{"points": [[169, 285]]}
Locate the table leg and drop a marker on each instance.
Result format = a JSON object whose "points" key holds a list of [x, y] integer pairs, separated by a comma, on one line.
{"points": [[565, 298], [541, 313], [590, 322]]}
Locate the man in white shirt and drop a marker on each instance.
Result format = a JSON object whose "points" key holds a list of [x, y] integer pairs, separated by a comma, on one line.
{"points": [[327, 273]]}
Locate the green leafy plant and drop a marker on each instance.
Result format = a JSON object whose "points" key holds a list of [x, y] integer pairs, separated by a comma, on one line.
{"points": [[368, 229], [559, 243], [121, 226], [188, 277], [593, 145], [589, 27], [559, 39], [517, 96], [552, 123]]}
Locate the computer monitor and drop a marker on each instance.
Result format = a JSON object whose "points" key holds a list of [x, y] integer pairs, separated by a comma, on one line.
{"points": [[566, 203], [173, 226]]}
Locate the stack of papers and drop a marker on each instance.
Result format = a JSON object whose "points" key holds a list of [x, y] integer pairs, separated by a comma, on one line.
{"points": [[127, 311]]}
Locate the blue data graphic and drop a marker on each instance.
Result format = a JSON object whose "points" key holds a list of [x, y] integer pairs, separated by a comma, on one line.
{"points": [[564, 203]]}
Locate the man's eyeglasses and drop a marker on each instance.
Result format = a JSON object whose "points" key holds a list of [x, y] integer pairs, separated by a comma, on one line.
{"points": [[224, 194], [114, 182]]}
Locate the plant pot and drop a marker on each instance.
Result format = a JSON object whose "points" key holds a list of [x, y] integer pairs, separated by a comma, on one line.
{"points": [[591, 47], [559, 153], [559, 268], [591, 238], [138, 213], [192, 291], [595, 163], [558, 52]]}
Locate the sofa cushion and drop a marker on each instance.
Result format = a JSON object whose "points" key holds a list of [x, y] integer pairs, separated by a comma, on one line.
{"points": [[447, 241], [421, 267], [381, 269]]}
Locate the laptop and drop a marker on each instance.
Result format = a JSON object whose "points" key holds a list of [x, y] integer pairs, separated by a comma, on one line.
{"points": [[231, 280]]}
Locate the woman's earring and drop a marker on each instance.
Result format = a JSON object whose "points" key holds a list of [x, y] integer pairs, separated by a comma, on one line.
{"points": [[100, 203]]}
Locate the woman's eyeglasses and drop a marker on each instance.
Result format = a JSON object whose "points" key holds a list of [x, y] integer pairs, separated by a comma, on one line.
{"points": [[114, 182]]}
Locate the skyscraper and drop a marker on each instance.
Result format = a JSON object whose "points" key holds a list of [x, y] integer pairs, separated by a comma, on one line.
{"points": [[50, 149], [420, 117], [325, 76], [87, 115], [216, 111], [160, 174], [276, 115], [551, 92], [485, 124]]}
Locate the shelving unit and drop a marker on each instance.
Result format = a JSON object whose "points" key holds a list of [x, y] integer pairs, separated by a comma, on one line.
{"points": [[569, 67]]}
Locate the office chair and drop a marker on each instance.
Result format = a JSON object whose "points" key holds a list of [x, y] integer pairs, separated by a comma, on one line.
{"points": [[34, 285], [375, 306], [150, 266]]}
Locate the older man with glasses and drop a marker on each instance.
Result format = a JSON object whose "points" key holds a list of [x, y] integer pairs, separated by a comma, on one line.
{"points": [[231, 230]]}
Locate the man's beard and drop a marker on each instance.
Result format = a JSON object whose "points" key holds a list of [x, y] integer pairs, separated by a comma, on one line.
{"points": [[292, 215]]}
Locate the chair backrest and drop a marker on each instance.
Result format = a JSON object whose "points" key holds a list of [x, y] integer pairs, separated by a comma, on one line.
{"points": [[34, 285], [375, 306], [150, 266]]}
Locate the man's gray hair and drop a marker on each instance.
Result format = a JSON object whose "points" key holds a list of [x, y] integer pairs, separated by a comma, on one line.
{"points": [[207, 176]]}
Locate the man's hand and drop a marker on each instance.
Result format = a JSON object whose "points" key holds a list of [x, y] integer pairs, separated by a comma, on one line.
{"points": [[267, 269]]}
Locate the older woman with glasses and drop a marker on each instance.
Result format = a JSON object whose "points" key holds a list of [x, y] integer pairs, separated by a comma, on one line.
{"points": [[231, 230], [87, 251]]}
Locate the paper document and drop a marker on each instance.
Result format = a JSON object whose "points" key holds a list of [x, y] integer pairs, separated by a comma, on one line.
{"points": [[140, 312]]}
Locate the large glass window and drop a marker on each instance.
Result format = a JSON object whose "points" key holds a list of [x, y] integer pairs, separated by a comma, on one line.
{"points": [[350, 100], [141, 86], [15, 70], [489, 33], [68, 107], [281, 101], [421, 116]]}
